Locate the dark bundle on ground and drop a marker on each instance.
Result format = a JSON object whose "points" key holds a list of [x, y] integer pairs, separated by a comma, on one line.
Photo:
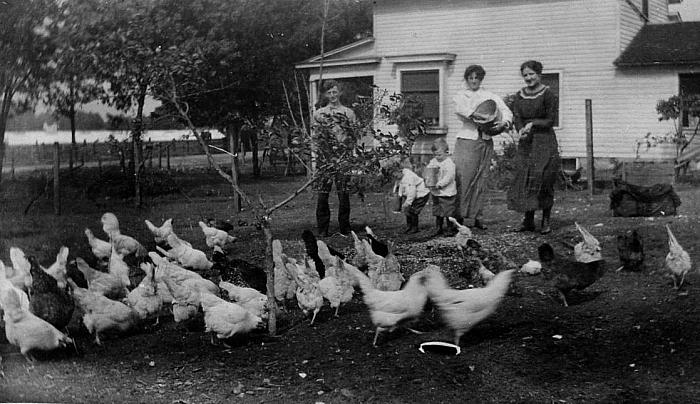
{"points": [[239, 272]]}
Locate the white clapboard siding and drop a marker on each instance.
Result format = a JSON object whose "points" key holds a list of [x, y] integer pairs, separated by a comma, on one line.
{"points": [[579, 39]]}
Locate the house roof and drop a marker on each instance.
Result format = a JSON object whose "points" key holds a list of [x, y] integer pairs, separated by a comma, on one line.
{"points": [[663, 44], [358, 52]]}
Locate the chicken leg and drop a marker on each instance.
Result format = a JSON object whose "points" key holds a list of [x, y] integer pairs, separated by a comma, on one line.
{"points": [[563, 298], [376, 335]]}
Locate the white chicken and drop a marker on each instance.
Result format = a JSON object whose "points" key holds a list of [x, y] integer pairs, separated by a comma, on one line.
{"points": [[144, 299], [389, 309], [463, 309], [186, 255], [122, 243], [308, 292], [677, 261], [248, 298], [463, 235], [215, 237], [160, 234], [118, 267], [6, 286], [58, 269], [27, 331], [185, 303], [589, 249], [20, 274], [106, 284], [360, 258], [338, 284], [100, 249], [285, 285], [226, 319], [102, 314]]}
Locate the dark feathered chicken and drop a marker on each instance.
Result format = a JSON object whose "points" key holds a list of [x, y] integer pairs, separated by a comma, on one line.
{"points": [[238, 271], [49, 302], [312, 251], [569, 275], [379, 247], [631, 251]]}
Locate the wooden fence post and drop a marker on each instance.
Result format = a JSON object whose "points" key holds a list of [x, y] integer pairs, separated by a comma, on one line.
{"points": [[56, 185], [234, 171], [160, 155], [168, 158], [99, 163], [589, 149], [12, 167]]}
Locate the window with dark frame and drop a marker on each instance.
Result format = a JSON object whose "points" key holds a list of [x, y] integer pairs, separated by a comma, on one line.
{"points": [[689, 84], [551, 80], [424, 85]]}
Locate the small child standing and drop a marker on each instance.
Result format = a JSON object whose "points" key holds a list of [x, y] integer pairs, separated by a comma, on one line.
{"points": [[413, 192], [444, 193]]}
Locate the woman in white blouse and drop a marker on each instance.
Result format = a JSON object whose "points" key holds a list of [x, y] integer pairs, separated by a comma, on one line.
{"points": [[474, 147]]}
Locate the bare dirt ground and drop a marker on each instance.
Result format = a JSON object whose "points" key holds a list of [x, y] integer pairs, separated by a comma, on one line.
{"points": [[628, 338]]}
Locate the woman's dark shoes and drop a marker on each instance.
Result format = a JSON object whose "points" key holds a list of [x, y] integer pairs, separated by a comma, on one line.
{"points": [[525, 228], [412, 230], [546, 229], [479, 225]]}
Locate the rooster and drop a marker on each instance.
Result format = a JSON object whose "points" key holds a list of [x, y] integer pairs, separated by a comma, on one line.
{"points": [[389, 309], [631, 251], [215, 237], [463, 309], [677, 261], [27, 331], [569, 275], [587, 250]]}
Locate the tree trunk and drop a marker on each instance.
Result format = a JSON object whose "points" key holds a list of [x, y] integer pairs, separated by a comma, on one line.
{"points": [[72, 153], [138, 130], [270, 272], [254, 149], [233, 148]]}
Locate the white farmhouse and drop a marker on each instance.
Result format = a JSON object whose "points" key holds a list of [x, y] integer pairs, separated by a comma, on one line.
{"points": [[624, 55]]}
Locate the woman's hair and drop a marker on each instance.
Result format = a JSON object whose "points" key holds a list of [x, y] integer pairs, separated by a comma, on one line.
{"points": [[533, 65], [328, 84], [480, 72], [440, 144]]}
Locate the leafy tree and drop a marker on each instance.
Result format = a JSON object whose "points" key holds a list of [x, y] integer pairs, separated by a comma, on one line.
{"points": [[72, 83], [25, 30]]}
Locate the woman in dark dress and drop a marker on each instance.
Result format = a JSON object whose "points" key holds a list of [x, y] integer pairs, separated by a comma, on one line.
{"points": [[534, 113]]}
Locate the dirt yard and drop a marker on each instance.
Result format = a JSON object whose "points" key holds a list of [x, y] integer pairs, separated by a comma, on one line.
{"points": [[630, 337]]}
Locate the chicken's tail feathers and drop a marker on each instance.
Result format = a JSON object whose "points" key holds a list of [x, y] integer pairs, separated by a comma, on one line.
{"points": [[501, 281], [454, 221], [361, 279], [355, 238], [370, 232], [150, 226]]}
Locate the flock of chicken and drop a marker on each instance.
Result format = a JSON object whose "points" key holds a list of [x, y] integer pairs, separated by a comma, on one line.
{"points": [[38, 302]]}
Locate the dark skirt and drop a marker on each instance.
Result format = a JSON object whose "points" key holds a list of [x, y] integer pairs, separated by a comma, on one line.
{"points": [[472, 159], [538, 169], [444, 206], [416, 206]]}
